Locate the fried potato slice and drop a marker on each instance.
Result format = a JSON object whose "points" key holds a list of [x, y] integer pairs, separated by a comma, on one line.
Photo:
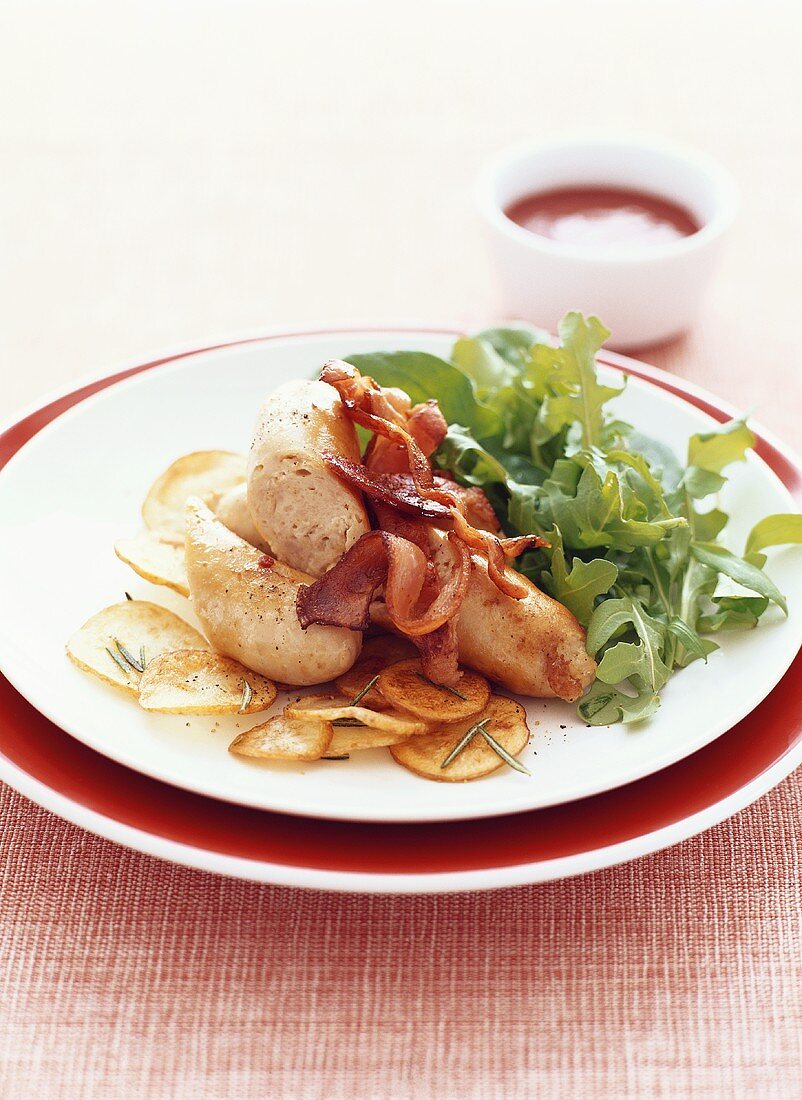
{"points": [[159, 558], [425, 755], [137, 627], [204, 474], [348, 739], [197, 681], [377, 654], [283, 738], [404, 686], [330, 709]]}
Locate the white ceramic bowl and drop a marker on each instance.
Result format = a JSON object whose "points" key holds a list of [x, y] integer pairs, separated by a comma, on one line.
{"points": [[643, 293]]}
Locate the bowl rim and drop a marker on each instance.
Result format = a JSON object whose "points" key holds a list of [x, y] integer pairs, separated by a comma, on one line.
{"points": [[722, 184]]}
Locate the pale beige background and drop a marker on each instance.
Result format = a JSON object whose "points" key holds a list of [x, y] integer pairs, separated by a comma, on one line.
{"points": [[172, 174], [175, 173]]}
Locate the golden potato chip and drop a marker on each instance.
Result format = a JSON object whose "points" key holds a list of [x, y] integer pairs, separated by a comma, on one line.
{"points": [[197, 681], [117, 643], [377, 654], [330, 709], [348, 739], [204, 474], [159, 558], [283, 738], [404, 686], [506, 723]]}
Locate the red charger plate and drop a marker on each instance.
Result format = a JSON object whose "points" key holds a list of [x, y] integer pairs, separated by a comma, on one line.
{"points": [[64, 775]]}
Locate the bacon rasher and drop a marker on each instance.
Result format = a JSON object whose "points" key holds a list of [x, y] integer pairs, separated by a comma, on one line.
{"points": [[411, 507]]}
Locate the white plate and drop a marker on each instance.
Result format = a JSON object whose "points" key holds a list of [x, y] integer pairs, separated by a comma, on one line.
{"points": [[77, 486]]}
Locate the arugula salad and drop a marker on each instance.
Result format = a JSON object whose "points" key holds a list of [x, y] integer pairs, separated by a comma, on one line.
{"points": [[635, 536]]}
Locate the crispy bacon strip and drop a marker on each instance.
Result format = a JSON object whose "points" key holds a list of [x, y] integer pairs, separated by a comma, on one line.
{"points": [[440, 654], [392, 520], [446, 603], [399, 490], [342, 596], [396, 522], [417, 461], [366, 406], [397, 399], [439, 650], [370, 407], [352, 386], [473, 503], [496, 551], [427, 426], [513, 547], [396, 489]]}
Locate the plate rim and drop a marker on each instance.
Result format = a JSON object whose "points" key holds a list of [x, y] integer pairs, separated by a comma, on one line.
{"points": [[368, 882], [487, 878]]}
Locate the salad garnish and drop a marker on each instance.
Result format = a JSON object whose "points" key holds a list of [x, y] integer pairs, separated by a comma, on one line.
{"points": [[635, 548]]}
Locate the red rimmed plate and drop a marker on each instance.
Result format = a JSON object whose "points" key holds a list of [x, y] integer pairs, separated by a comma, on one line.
{"points": [[58, 772]]}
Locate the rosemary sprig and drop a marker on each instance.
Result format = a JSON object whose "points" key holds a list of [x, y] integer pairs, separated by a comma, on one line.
{"points": [[464, 741], [360, 695], [128, 596], [499, 750], [247, 695], [340, 722], [119, 662], [128, 657], [344, 757], [442, 687], [142, 660]]}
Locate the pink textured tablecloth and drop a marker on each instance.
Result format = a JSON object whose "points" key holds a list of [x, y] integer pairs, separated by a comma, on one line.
{"points": [[172, 174], [677, 975]]}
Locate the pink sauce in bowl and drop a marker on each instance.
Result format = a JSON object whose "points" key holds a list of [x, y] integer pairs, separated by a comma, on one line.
{"points": [[627, 228], [601, 216]]}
